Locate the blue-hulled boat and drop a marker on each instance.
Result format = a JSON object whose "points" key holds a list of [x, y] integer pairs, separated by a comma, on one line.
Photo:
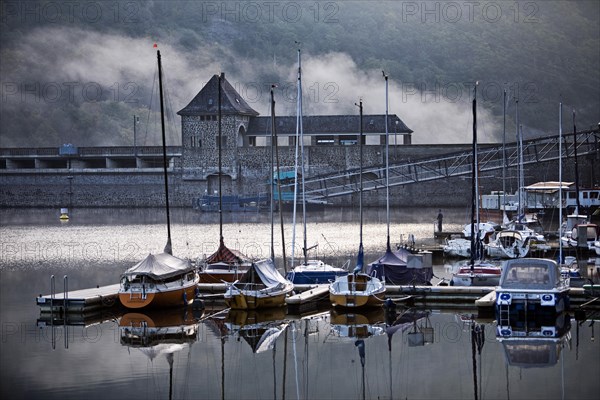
{"points": [[314, 272], [531, 284]]}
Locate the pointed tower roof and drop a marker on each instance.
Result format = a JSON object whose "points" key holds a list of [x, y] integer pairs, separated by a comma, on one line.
{"points": [[206, 101]]}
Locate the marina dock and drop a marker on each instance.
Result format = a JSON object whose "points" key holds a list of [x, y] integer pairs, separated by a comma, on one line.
{"points": [[80, 301], [309, 296]]}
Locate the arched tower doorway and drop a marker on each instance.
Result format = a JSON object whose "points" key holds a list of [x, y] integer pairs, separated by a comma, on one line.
{"points": [[212, 185]]}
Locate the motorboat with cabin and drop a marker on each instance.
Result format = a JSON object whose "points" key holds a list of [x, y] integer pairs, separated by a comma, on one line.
{"points": [[532, 285]]}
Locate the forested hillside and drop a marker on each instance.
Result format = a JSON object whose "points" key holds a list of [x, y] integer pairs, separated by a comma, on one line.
{"points": [[78, 71]]}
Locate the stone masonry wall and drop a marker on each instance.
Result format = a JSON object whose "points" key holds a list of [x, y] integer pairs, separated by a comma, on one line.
{"points": [[145, 187]]}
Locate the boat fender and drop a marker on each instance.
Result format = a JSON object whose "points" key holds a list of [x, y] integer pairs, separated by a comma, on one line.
{"points": [[185, 298], [389, 304]]}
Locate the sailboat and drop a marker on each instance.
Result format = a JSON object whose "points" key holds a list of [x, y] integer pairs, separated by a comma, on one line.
{"points": [[309, 271], [529, 227], [401, 267], [160, 280], [358, 289], [476, 273], [508, 244], [262, 286], [224, 265], [579, 231]]}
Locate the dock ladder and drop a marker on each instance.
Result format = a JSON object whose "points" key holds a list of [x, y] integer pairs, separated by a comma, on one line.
{"points": [[504, 315]]}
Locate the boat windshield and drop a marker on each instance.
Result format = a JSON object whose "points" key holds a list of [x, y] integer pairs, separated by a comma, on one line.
{"points": [[525, 276]]}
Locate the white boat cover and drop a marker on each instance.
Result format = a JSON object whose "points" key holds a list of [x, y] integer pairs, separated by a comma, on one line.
{"points": [[159, 266], [268, 274]]}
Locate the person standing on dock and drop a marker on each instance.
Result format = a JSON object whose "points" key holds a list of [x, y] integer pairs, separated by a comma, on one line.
{"points": [[440, 217]]}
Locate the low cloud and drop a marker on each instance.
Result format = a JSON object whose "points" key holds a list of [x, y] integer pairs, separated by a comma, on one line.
{"points": [[57, 69]]}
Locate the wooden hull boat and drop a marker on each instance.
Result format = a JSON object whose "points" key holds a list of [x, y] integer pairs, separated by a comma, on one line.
{"points": [[160, 280], [221, 273], [254, 299], [261, 287], [357, 290]]}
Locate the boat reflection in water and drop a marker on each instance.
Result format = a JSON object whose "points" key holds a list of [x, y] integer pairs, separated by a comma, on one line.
{"points": [[160, 332], [260, 329], [536, 342], [370, 322], [415, 320], [357, 327], [154, 332]]}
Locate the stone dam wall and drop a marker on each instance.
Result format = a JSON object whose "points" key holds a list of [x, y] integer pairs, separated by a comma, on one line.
{"points": [[144, 187]]}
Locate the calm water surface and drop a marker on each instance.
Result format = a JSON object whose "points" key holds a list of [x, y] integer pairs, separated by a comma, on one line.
{"points": [[422, 354]]}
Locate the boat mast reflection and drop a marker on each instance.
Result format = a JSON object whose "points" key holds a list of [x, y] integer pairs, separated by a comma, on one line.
{"points": [[160, 332]]}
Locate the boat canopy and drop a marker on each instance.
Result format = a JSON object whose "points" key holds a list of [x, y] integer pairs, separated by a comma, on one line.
{"points": [[265, 272], [227, 256], [393, 266], [530, 274], [159, 266]]}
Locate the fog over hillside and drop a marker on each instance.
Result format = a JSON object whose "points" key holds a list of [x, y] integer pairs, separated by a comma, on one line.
{"points": [[77, 72]]}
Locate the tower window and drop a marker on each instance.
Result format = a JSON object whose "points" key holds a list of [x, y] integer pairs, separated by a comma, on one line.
{"points": [[195, 141]]}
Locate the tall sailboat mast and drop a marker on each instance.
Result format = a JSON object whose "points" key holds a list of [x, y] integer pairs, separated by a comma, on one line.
{"points": [[220, 165], [168, 247], [560, 218], [361, 256], [272, 168], [474, 222], [521, 175], [518, 177], [504, 150], [299, 144], [387, 164], [298, 122], [278, 179], [576, 165], [302, 172]]}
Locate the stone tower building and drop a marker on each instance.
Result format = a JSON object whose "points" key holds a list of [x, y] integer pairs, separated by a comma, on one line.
{"points": [[330, 142], [200, 133]]}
